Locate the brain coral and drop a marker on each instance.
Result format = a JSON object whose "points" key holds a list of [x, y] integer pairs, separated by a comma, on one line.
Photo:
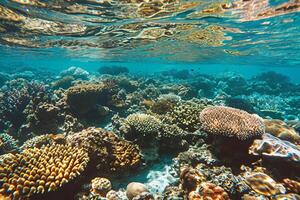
{"points": [[231, 122], [101, 186], [36, 171], [106, 149]]}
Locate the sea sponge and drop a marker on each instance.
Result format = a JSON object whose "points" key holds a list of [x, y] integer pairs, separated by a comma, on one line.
{"points": [[280, 129], [141, 126], [36, 171], [185, 115], [101, 186], [106, 150], [263, 184], [231, 122]]}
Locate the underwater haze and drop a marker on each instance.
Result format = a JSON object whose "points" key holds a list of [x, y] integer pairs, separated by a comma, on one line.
{"points": [[150, 99]]}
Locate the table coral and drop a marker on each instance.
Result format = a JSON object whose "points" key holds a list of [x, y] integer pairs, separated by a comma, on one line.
{"points": [[231, 122], [37, 171]]}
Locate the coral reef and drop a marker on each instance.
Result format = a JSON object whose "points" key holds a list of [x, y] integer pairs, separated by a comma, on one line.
{"points": [[37, 171], [231, 122]]}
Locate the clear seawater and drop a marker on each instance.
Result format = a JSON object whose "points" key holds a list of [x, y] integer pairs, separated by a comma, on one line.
{"points": [[215, 39]]}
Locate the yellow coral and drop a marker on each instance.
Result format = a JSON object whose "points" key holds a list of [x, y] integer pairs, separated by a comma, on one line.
{"points": [[40, 170]]}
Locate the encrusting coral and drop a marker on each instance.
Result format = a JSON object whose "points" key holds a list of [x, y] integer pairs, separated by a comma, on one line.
{"points": [[37, 171], [231, 122]]}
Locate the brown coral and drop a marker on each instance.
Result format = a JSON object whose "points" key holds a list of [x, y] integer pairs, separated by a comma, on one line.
{"points": [[231, 122], [36, 171], [106, 149], [190, 179], [84, 97], [280, 129], [101, 186], [264, 184], [292, 185]]}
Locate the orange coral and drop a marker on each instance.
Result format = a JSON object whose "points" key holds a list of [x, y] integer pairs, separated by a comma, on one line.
{"points": [[212, 192], [231, 122], [36, 171]]}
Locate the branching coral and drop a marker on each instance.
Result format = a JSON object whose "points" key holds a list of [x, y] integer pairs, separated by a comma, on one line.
{"points": [[36, 171], [185, 115], [231, 122], [141, 126]]}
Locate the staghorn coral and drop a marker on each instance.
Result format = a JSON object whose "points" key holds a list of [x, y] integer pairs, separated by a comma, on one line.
{"points": [[281, 130], [292, 185], [36, 171], [140, 126], [106, 150], [263, 184], [273, 147], [231, 122], [185, 115], [101, 186]]}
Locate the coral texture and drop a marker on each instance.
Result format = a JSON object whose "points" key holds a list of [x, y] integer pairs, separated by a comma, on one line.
{"points": [[101, 186], [36, 171], [231, 122]]}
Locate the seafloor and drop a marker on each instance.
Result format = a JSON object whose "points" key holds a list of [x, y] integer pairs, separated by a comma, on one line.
{"points": [[176, 134]]}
